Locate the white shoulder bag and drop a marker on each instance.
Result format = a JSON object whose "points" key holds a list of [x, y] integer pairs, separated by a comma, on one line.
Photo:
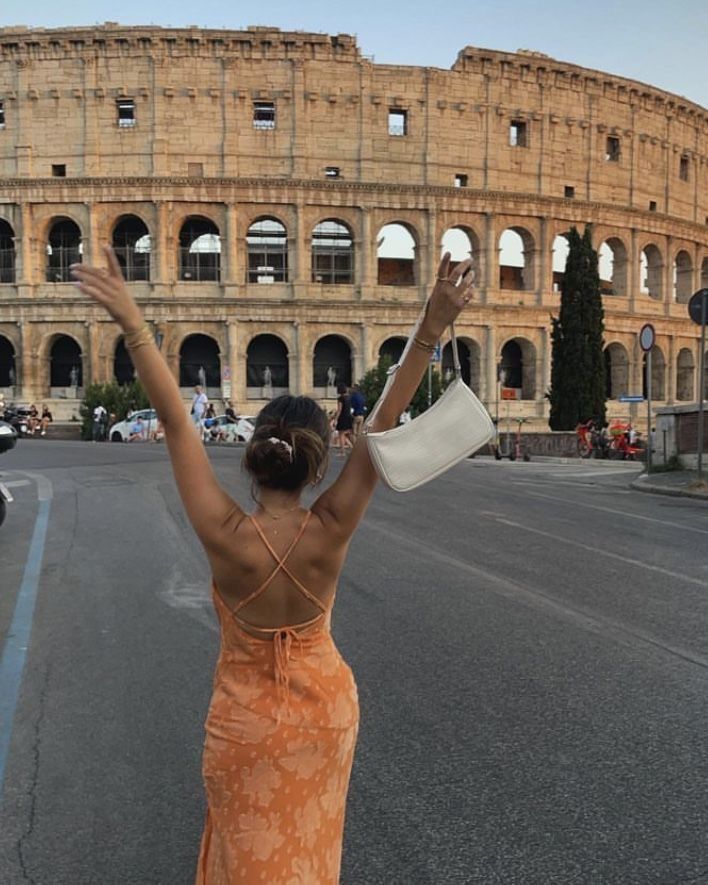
{"points": [[452, 429]]}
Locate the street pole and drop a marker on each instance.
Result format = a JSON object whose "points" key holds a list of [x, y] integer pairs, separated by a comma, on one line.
{"points": [[430, 383], [648, 437], [702, 381]]}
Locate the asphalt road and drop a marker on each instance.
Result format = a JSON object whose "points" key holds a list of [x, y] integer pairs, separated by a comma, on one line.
{"points": [[530, 643]]}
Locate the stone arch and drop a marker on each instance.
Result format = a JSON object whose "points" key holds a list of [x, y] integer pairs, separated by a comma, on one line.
{"points": [[461, 242], [123, 368], [65, 362], [331, 352], [516, 251], [267, 247], [199, 361], [332, 252], [651, 267], [132, 245], [470, 362], [199, 250], [518, 363], [683, 277], [613, 266], [267, 368], [396, 248], [616, 370], [392, 348], [658, 374], [7, 253], [64, 248], [8, 364], [559, 253], [685, 375]]}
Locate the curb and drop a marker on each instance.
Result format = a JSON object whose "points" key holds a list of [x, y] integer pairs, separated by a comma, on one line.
{"points": [[649, 488]]}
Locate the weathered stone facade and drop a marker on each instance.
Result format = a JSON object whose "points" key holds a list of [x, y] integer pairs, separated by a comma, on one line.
{"points": [[176, 144]]}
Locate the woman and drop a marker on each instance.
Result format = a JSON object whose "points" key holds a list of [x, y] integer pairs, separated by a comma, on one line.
{"points": [[343, 421], [283, 718]]}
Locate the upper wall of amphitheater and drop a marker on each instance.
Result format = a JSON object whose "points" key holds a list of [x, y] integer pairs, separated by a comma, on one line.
{"points": [[520, 123]]}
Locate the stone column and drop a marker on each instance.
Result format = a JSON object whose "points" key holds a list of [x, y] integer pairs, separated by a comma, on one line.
{"points": [[490, 269], [230, 275], [238, 380], [489, 370], [670, 379], [304, 359], [367, 263], [429, 257], [544, 363], [25, 252], [543, 260], [294, 367], [91, 245], [633, 272], [299, 251], [668, 276], [160, 266], [362, 356], [92, 364]]}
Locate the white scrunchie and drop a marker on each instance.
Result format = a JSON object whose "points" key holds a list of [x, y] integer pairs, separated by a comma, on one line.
{"points": [[281, 442]]}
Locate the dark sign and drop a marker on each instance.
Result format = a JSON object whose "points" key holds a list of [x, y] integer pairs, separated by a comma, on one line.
{"points": [[694, 305]]}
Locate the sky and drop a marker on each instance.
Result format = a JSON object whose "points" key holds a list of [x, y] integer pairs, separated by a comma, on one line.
{"points": [[658, 42]]}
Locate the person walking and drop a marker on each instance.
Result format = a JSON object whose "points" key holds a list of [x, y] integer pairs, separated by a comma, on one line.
{"points": [[98, 430], [284, 713], [200, 402], [358, 411], [343, 421]]}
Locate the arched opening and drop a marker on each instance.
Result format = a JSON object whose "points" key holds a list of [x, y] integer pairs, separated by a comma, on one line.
{"points": [[560, 250], [650, 271], [123, 368], [658, 375], [132, 245], [199, 251], [267, 370], [332, 363], [515, 259], [267, 244], [65, 363], [391, 349], [616, 371], [395, 252], [683, 277], [470, 360], [332, 253], [7, 253], [461, 243], [8, 375], [64, 248], [518, 367], [199, 362], [612, 267], [685, 369]]}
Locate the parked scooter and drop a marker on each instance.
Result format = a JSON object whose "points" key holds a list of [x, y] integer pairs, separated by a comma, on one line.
{"points": [[8, 440]]}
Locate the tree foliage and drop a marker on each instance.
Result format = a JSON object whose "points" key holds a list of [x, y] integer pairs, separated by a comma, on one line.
{"points": [[116, 399], [372, 385], [577, 359]]}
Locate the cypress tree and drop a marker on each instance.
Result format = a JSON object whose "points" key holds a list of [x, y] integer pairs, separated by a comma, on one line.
{"points": [[577, 359]]}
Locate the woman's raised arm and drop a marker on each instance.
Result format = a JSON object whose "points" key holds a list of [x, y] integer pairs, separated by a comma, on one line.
{"points": [[345, 501], [208, 506]]}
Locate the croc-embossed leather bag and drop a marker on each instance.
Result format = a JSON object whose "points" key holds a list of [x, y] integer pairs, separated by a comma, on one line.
{"points": [[412, 454]]}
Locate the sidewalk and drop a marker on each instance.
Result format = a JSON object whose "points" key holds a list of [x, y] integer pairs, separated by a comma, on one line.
{"points": [[679, 483]]}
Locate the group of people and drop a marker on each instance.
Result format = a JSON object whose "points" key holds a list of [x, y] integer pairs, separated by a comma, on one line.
{"points": [[38, 421], [205, 418], [347, 420]]}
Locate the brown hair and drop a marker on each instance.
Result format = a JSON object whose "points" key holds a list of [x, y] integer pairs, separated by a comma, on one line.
{"points": [[290, 444]]}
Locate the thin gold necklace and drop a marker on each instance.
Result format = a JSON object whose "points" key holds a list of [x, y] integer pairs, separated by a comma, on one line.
{"points": [[278, 515]]}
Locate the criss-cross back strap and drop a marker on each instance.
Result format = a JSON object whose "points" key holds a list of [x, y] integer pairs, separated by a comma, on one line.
{"points": [[281, 567]]}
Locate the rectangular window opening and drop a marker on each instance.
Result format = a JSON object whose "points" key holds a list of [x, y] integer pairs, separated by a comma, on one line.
{"points": [[652, 205], [58, 170], [683, 168], [195, 170], [518, 133], [460, 180], [397, 122], [126, 112], [263, 115], [332, 172], [569, 192], [613, 150]]}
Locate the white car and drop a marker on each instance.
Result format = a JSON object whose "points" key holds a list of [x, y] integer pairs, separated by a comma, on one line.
{"points": [[120, 432], [240, 431]]}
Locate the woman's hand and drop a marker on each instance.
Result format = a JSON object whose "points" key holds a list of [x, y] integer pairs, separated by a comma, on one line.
{"points": [[107, 287], [453, 290]]}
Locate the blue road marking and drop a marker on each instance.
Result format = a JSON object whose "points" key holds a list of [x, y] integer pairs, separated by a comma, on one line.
{"points": [[14, 653]]}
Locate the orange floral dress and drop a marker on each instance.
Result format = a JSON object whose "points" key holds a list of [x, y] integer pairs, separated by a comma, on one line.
{"points": [[280, 736]]}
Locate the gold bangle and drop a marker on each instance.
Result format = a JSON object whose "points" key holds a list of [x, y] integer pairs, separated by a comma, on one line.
{"points": [[424, 345], [139, 338]]}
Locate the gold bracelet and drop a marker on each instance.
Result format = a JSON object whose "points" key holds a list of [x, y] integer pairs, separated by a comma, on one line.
{"points": [[139, 338], [424, 345]]}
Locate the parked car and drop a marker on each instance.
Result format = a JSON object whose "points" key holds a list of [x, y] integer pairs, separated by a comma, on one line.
{"points": [[8, 439], [120, 431], [240, 431]]}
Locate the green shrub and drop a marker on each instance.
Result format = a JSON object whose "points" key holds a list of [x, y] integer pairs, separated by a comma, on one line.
{"points": [[372, 385], [117, 399]]}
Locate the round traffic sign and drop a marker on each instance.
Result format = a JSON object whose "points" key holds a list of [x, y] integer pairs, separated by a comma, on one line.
{"points": [[694, 305], [646, 337]]}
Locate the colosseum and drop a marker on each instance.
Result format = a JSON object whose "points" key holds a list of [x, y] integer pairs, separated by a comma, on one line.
{"points": [[279, 203]]}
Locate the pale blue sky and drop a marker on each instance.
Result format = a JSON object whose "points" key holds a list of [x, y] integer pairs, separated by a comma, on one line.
{"points": [[655, 41]]}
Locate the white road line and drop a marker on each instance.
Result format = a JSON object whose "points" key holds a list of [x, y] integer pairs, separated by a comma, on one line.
{"points": [[601, 552], [618, 471], [15, 483], [624, 513]]}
